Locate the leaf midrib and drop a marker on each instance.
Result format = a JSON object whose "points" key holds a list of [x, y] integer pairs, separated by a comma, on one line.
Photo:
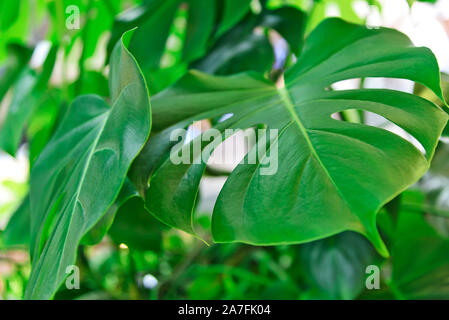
{"points": [[287, 102]]}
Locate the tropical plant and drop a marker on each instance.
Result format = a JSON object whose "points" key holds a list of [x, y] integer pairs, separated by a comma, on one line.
{"points": [[345, 194]]}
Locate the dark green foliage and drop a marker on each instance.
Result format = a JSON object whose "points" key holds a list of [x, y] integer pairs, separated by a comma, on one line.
{"points": [[105, 195]]}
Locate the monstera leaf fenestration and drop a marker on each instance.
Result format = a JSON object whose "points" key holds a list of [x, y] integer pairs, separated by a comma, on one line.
{"points": [[80, 172], [332, 175]]}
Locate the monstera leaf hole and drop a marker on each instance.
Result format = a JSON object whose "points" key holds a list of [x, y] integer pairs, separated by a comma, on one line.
{"points": [[378, 121], [398, 84], [333, 176]]}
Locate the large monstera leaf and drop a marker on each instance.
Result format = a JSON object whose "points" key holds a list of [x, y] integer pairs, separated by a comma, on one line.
{"points": [[332, 175], [80, 172]]}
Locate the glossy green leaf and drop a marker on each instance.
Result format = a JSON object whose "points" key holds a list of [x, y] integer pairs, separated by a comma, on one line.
{"points": [[101, 228], [320, 188], [80, 172]]}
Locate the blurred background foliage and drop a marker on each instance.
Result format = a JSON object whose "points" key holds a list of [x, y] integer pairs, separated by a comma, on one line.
{"points": [[44, 65]]}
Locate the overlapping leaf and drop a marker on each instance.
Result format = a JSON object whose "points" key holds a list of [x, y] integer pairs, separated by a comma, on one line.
{"points": [[244, 49], [332, 175], [219, 37], [336, 266], [156, 17], [17, 232], [420, 268], [80, 172]]}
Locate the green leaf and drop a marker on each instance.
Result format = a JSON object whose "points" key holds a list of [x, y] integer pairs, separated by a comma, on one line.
{"points": [[336, 266], [135, 227], [240, 49], [96, 18], [247, 47], [9, 11], [434, 185], [80, 172], [207, 22], [28, 91], [17, 61], [426, 93], [155, 19], [92, 82], [44, 121], [320, 188], [232, 12], [345, 10], [96, 234], [289, 22], [17, 232], [16, 28], [19, 111], [420, 267]]}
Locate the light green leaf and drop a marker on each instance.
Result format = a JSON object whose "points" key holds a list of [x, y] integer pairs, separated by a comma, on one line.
{"points": [[79, 174], [9, 11]]}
